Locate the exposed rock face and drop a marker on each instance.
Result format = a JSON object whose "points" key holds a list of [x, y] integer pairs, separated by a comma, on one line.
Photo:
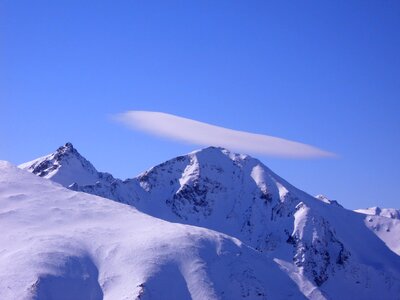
{"points": [[318, 252]]}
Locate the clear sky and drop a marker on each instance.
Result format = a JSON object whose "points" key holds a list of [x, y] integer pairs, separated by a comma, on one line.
{"points": [[325, 73]]}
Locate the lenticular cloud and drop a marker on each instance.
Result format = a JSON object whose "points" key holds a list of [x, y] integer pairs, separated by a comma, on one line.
{"points": [[203, 134]]}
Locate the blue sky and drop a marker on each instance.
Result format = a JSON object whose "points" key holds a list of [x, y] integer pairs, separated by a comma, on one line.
{"points": [[325, 73]]}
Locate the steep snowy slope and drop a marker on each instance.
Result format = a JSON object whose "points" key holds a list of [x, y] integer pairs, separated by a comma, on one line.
{"points": [[61, 244], [324, 248], [385, 223]]}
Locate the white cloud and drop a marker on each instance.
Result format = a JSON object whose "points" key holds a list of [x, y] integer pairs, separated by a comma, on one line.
{"points": [[203, 134]]}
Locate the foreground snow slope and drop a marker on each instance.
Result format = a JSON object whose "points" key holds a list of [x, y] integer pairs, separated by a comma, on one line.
{"points": [[61, 244]]}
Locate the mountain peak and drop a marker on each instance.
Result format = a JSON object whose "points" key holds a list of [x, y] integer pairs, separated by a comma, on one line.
{"points": [[65, 166], [67, 147], [222, 156], [211, 150], [217, 150], [65, 150]]}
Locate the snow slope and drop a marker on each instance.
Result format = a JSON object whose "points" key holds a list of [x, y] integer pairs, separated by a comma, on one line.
{"points": [[325, 249], [61, 244]]}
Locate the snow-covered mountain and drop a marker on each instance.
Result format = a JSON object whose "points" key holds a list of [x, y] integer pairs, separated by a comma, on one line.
{"points": [[325, 249], [61, 244]]}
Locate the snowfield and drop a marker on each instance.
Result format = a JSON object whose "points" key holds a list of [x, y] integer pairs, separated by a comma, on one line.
{"points": [[211, 224]]}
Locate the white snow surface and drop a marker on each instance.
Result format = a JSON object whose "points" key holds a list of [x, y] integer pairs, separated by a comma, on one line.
{"points": [[322, 249]]}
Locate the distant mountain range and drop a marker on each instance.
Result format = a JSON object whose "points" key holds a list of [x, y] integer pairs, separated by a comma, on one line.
{"points": [[246, 233]]}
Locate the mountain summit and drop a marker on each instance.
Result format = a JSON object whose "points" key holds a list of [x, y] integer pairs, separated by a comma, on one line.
{"points": [[65, 166]]}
